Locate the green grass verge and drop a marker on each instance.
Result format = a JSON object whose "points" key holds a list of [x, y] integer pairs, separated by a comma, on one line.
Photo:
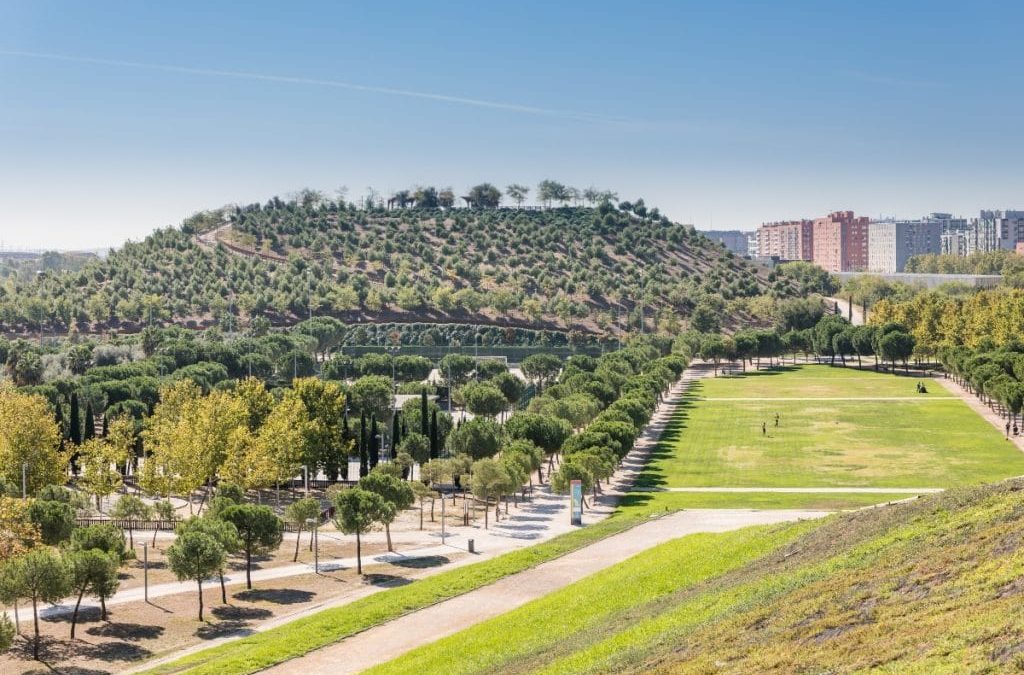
{"points": [[509, 640], [929, 442], [268, 648], [930, 586], [664, 502]]}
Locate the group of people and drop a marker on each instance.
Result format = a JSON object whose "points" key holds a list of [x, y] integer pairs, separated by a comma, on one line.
{"points": [[764, 425]]}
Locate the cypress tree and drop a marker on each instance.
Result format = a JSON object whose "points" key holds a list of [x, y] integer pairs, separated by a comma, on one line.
{"points": [[434, 449], [374, 442], [90, 423], [75, 425], [423, 411], [396, 434], [364, 455], [106, 428], [58, 415]]}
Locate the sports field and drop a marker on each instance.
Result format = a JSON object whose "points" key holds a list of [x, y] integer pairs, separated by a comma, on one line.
{"points": [[838, 428]]}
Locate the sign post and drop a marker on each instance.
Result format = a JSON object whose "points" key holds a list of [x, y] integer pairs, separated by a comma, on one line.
{"points": [[576, 499]]}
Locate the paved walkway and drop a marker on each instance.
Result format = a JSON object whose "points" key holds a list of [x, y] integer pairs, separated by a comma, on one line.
{"points": [[801, 490], [545, 516], [394, 638]]}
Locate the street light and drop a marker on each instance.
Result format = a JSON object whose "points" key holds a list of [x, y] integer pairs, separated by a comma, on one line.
{"points": [[314, 523], [392, 350], [24, 482]]}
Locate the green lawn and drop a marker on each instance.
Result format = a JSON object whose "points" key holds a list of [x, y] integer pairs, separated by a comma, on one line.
{"points": [[929, 586], [931, 441], [520, 639], [662, 502]]}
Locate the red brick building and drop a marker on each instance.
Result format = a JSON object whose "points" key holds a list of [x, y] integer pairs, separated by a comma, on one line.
{"points": [[841, 242], [787, 240]]}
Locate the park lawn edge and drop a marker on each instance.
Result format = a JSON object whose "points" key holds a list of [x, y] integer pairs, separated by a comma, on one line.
{"points": [[510, 641], [301, 636]]}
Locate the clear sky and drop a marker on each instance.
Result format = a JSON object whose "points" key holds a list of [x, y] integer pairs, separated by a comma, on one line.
{"points": [[120, 117]]}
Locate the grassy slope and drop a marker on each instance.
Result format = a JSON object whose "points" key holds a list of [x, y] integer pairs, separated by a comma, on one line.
{"points": [[323, 628], [512, 639], [931, 441], [927, 586]]}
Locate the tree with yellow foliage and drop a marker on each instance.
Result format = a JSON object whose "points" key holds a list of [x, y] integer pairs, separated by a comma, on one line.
{"points": [[29, 439]]}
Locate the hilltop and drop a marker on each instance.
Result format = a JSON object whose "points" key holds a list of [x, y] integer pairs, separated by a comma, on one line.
{"points": [[581, 269]]}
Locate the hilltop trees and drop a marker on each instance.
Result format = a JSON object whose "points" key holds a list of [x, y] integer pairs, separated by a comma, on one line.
{"points": [[195, 556], [258, 528]]}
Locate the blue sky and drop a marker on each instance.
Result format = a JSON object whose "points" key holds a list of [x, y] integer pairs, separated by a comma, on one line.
{"points": [[720, 113]]}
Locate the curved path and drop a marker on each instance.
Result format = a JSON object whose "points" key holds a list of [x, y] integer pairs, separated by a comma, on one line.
{"points": [[394, 638]]}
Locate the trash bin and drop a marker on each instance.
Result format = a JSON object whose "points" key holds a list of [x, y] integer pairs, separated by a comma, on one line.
{"points": [[472, 546]]}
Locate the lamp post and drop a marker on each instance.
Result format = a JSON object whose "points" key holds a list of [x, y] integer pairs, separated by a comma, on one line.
{"points": [[314, 524], [24, 481]]}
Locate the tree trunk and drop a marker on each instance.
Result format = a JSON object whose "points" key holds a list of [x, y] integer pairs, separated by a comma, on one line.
{"points": [[387, 532], [223, 590], [103, 608], [359, 554], [487, 510], [298, 537], [155, 530], [432, 500], [248, 567], [35, 622], [421, 514], [74, 614], [131, 540], [199, 582]]}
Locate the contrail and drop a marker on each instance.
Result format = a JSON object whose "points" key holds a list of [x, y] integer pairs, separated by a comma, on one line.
{"points": [[308, 81]]}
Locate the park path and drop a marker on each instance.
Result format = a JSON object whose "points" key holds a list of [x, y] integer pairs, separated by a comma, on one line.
{"points": [[977, 406], [545, 516], [394, 638]]}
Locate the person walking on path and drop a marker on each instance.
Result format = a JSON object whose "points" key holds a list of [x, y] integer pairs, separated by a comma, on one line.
{"points": [[764, 428], [776, 420]]}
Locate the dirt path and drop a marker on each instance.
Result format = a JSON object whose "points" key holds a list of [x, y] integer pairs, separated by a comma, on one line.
{"points": [[977, 406], [391, 640]]}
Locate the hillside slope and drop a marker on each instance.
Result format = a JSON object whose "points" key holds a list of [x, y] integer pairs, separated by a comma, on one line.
{"points": [[584, 269], [932, 585]]}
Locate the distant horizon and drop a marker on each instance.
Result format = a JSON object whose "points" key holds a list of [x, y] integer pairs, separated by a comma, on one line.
{"points": [[44, 243]]}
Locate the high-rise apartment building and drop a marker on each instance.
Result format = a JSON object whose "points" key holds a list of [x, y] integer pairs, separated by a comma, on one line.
{"points": [[787, 240], [734, 240], [892, 242], [995, 230], [840, 242]]}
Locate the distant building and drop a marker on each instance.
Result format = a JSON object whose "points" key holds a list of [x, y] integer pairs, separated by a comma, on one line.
{"points": [[787, 240], [953, 243], [753, 249], [840, 242], [734, 240], [892, 242], [995, 230]]}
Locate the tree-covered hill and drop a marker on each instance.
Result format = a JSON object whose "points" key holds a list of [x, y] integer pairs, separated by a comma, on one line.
{"points": [[583, 269]]}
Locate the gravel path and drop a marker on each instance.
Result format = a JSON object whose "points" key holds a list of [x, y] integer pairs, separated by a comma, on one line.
{"points": [[394, 638]]}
